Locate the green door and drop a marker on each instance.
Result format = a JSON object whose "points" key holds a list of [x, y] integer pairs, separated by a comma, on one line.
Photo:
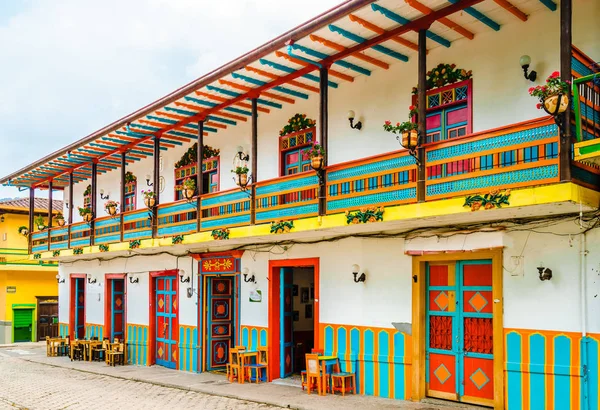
{"points": [[22, 324]]}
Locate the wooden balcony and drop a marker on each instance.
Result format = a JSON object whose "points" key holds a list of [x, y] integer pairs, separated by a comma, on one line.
{"points": [[517, 156]]}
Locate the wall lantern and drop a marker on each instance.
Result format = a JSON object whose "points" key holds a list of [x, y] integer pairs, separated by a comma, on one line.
{"points": [[355, 271], [241, 155], [351, 117], [252, 279], [2, 218], [524, 62], [102, 196], [545, 273], [148, 180], [59, 279], [132, 280], [183, 278], [91, 279]]}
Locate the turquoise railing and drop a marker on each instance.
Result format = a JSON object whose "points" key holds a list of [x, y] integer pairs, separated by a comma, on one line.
{"points": [[177, 218], [225, 209], [80, 234], [137, 224], [39, 241], [107, 230], [59, 238], [289, 197]]}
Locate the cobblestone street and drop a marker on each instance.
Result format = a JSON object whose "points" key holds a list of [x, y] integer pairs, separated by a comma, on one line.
{"points": [[26, 385]]}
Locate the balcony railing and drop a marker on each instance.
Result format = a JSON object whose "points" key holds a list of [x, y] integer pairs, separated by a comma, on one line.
{"points": [[520, 155]]}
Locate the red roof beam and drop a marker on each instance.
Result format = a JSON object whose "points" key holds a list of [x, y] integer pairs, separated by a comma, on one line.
{"points": [[264, 93], [415, 4], [511, 8], [223, 99], [333, 73], [339, 47], [275, 77], [376, 29]]}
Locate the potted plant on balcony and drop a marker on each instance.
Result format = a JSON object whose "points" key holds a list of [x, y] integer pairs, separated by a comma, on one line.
{"points": [[316, 152], [111, 207], [149, 198], [188, 187], [241, 175], [60, 219], [23, 231], [85, 213], [39, 222], [553, 96], [409, 137]]}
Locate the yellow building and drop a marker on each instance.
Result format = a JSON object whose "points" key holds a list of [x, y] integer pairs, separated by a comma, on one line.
{"points": [[28, 289]]}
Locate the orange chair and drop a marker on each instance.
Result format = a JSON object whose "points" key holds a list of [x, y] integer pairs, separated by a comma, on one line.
{"points": [[338, 382], [313, 372], [234, 367], [303, 372]]}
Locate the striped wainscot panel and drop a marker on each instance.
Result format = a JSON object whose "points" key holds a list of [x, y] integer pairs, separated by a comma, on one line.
{"points": [[289, 197], [384, 180], [94, 330], [63, 329], [136, 225], [59, 238], [80, 234], [381, 357], [137, 344], [516, 156], [254, 337], [188, 349], [39, 241], [225, 209], [107, 230], [551, 370], [177, 218]]}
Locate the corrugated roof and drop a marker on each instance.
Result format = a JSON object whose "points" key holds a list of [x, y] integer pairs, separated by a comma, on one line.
{"points": [[40, 204]]}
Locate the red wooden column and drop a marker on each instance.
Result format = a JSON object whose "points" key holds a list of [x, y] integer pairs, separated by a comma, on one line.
{"points": [[422, 102], [199, 178], [566, 52], [323, 120]]}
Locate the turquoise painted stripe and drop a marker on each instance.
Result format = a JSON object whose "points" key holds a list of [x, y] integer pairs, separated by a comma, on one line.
{"points": [[287, 69], [399, 382], [181, 348], [371, 199], [180, 207], [232, 220], [220, 199], [80, 242], [107, 222], [514, 384], [298, 210], [562, 383], [245, 339], [341, 341], [254, 339], [188, 350], [384, 367], [139, 351], [358, 39], [550, 4], [593, 350], [278, 88], [322, 56], [146, 233], [107, 239], [171, 230], [136, 216], [195, 352], [58, 245], [276, 188], [328, 340], [145, 355], [79, 228], [369, 345], [57, 232], [537, 383], [40, 248], [355, 343], [39, 235], [373, 167], [263, 337]]}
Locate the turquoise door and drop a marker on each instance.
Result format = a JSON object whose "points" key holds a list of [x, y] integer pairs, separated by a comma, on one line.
{"points": [[79, 308], [167, 324], [117, 309], [220, 321], [286, 322]]}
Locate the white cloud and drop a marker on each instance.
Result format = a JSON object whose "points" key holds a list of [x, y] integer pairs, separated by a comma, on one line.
{"points": [[70, 67]]}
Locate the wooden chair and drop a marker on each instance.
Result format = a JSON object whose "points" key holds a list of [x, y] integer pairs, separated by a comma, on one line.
{"points": [[262, 363], [99, 351], [64, 348], [49, 347], [77, 351], [338, 382], [234, 367], [116, 354], [313, 372], [303, 372]]}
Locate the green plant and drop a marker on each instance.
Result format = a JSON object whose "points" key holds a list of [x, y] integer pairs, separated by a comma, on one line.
{"points": [[400, 127], [110, 204], [148, 194], [88, 191], [37, 255], [315, 150], [297, 123], [39, 222], [78, 251], [23, 229], [281, 226], [554, 86], [103, 248], [365, 215], [55, 253], [134, 243], [444, 74], [240, 170], [129, 177], [84, 211], [220, 234], [493, 199], [188, 183], [191, 155], [59, 215], [177, 239]]}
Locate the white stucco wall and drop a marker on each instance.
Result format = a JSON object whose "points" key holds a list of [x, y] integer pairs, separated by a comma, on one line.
{"points": [[499, 98]]}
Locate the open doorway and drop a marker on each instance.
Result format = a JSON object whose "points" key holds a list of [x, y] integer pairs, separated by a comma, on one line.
{"points": [[293, 314]]}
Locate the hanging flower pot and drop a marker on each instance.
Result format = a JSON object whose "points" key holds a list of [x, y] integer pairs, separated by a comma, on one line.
{"points": [[410, 138], [60, 222], [149, 202], [189, 193], [24, 231], [316, 162], [112, 210], [242, 179], [87, 217], [551, 103]]}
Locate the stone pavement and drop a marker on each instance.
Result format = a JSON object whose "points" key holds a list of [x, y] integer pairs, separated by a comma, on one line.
{"points": [[29, 379]]}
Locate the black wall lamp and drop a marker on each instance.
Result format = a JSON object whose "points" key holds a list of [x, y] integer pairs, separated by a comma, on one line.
{"points": [[2, 218], [355, 271], [351, 117], [148, 180], [59, 279], [545, 273], [524, 62], [181, 278], [252, 279], [102, 196], [90, 280], [241, 155], [132, 280]]}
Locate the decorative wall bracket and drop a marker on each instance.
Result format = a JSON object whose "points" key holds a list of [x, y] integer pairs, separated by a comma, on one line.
{"points": [[493, 199], [282, 226], [365, 215]]}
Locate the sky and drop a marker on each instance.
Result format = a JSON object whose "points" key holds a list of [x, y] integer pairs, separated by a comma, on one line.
{"points": [[70, 67]]}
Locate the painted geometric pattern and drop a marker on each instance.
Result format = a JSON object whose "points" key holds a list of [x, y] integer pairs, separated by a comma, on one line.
{"points": [[254, 337], [220, 353], [371, 168], [137, 344], [377, 198], [440, 332], [442, 300], [479, 379], [226, 221], [218, 264], [461, 93], [442, 373], [219, 199], [493, 143], [221, 329], [220, 309], [287, 185], [478, 301], [188, 349], [303, 210], [500, 179], [221, 287]]}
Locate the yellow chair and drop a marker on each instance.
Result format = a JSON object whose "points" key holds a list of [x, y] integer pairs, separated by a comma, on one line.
{"points": [[116, 354], [313, 372], [262, 363], [234, 367]]}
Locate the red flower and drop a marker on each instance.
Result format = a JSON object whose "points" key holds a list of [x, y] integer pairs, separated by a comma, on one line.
{"points": [[539, 106], [412, 107], [555, 74], [388, 123], [531, 90], [397, 124]]}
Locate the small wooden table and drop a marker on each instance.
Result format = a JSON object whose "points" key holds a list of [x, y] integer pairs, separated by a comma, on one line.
{"points": [[245, 355], [54, 344], [325, 361]]}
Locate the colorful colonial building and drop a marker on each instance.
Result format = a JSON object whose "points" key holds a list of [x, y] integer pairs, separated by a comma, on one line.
{"points": [[28, 288], [460, 265]]}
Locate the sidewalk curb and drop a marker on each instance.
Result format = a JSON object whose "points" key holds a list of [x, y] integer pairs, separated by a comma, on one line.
{"points": [[173, 386]]}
